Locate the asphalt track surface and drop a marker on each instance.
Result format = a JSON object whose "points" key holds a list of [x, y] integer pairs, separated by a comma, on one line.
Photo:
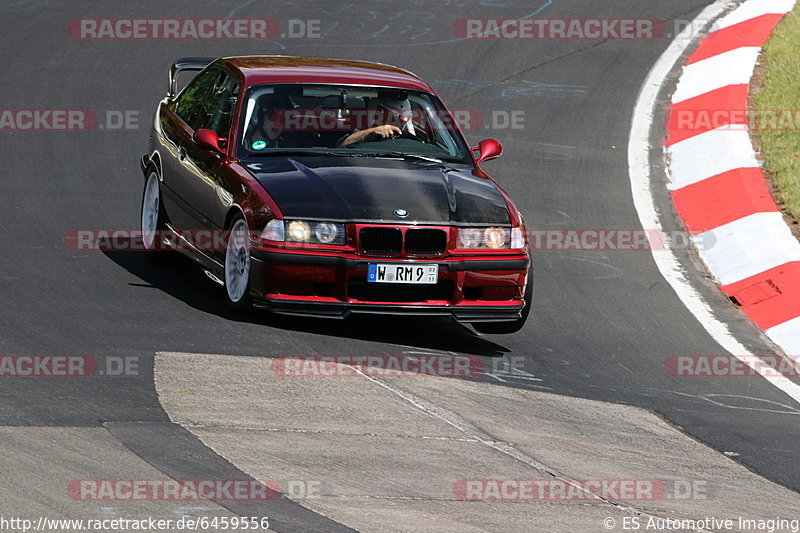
{"points": [[602, 324]]}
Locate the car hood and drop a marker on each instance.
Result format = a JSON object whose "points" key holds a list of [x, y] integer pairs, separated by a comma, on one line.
{"points": [[372, 189]]}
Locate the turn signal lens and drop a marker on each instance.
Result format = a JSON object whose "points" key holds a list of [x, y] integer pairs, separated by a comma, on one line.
{"points": [[273, 231], [517, 241]]}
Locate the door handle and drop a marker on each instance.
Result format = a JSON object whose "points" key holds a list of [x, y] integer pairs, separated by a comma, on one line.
{"points": [[182, 153]]}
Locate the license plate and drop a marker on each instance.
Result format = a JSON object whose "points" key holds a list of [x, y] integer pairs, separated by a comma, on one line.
{"points": [[416, 274]]}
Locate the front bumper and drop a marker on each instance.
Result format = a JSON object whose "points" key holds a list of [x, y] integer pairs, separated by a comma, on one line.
{"points": [[480, 289], [466, 313]]}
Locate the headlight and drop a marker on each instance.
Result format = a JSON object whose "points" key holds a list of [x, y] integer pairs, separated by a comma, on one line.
{"points": [[298, 231], [469, 238], [327, 232], [495, 238], [304, 231], [491, 238]]}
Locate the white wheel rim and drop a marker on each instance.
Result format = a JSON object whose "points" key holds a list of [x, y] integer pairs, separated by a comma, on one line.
{"points": [[150, 206], [237, 262]]}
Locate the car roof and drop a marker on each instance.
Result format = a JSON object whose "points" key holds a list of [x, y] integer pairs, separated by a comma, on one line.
{"points": [[288, 69]]}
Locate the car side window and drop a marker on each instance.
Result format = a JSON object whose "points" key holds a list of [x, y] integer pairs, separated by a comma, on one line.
{"points": [[188, 102], [217, 107]]}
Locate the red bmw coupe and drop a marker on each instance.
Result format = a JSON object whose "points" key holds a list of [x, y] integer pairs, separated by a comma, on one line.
{"points": [[338, 187]]}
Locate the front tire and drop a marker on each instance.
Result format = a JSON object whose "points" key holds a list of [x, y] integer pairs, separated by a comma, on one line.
{"points": [[511, 326], [237, 266], [154, 218]]}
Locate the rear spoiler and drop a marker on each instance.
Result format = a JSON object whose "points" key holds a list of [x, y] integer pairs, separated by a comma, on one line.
{"points": [[185, 63]]}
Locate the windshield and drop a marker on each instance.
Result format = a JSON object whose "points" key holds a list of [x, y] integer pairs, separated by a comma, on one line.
{"points": [[348, 120]]}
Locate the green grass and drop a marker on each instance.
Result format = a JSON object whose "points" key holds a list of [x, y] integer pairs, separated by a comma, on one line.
{"points": [[781, 92]]}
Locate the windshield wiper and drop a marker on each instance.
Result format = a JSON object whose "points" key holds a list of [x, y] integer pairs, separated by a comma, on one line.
{"points": [[395, 155], [398, 155], [423, 158], [417, 157]]}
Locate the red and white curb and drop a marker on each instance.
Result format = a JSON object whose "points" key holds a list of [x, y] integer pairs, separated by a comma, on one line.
{"points": [[716, 183]]}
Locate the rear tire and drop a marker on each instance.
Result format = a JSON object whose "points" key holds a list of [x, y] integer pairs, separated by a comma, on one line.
{"points": [[511, 326], [237, 266]]}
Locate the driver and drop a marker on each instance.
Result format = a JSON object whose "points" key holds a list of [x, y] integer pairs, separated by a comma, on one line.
{"points": [[268, 130], [395, 110]]}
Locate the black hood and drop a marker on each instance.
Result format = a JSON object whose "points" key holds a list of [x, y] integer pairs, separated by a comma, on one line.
{"points": [[370, 189]]}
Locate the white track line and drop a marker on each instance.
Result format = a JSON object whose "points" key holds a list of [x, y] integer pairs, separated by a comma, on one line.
{"points": [[639, 171]]}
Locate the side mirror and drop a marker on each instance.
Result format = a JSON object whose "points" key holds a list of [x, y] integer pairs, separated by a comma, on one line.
{"points": [[207, 140], [489, 149]]}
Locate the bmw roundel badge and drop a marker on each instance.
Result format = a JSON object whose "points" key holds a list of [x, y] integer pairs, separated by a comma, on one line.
{"points": [[402, 213]]}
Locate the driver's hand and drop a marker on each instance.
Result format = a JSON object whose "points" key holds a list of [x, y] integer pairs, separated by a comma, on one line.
{"points": [[387, 131]]}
